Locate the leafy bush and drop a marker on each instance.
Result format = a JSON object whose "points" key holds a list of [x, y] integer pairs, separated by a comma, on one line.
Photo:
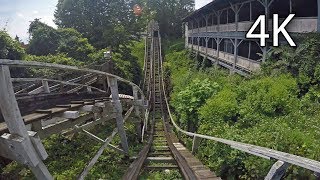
{"points": [[189, 100], [9, 48], [266, 97], [220, 108]]}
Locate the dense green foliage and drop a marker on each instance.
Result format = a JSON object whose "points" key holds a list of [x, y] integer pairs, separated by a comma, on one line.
{"points": [[267, 109], [9, 48], [46, 40], [176, 10], [302, 62], [106, 23]]}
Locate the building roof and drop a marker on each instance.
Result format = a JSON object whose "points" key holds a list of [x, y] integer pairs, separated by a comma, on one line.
{"points": [[214, 5]]}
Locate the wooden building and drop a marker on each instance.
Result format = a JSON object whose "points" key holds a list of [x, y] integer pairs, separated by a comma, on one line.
{"points": [[218, 30]]}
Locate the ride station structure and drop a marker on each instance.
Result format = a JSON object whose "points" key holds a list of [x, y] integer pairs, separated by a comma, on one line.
{"points": [[218, 30]]}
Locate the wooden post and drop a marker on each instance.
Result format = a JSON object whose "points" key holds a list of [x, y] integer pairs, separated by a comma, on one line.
{"points": [[235, 55], [45, 87], [61, 85], [137, 112], [89, 89], [195, 144], [277, 170], [12, 116], [207, 40], [113, 84]]}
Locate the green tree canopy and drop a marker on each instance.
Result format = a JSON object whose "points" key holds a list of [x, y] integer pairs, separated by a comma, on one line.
{"points": [[169, 14], [9, 48], [46, 40], [106, 23]]}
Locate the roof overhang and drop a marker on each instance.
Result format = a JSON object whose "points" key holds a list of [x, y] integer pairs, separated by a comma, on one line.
{"points": [[212, 6]]}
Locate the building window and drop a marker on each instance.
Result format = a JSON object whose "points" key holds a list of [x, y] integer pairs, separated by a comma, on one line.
{"points": [[228, 46], [257, 10], [210, 20], [281, 7], [303, 9], [210, 42], [224, 17], [231, 16], [244, 14], [255, 51], [214, 44], [195, 41], [214, 19], [243, 49]]}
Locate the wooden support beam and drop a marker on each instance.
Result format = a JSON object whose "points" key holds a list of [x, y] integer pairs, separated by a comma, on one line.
{"points": [[113, 84], [45, 86], [137, 112], [103, 147], [195, 144], [277, 170], [71, 115], [12, 116]]}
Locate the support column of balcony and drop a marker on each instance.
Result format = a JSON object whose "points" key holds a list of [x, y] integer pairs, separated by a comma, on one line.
{"points": [[218, 41], [186, 26], [236, 43], [266, 4], [207, 40], [192, 24]]}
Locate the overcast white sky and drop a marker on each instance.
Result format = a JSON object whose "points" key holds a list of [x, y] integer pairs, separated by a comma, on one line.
{"points": [[15, 15]]}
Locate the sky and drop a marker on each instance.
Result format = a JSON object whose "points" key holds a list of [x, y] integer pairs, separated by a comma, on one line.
{"points": [[16, 15]]}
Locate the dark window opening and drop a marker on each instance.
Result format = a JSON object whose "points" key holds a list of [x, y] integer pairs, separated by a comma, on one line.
{"points": [[228, 46], [210, 20], [231, 16], [224, 17], [214, 44], [243, 49], [214, 20], [257, 10], [195, 41], [303, 9], [281, 7], [255, 51], [210, 43], [244, 14], [221, 45]]}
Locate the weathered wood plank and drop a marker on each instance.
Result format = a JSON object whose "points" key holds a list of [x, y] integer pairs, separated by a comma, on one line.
{"points": [[11, 113]]}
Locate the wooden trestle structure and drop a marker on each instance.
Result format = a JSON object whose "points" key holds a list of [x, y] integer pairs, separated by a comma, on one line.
{"points": [[21, 134]]}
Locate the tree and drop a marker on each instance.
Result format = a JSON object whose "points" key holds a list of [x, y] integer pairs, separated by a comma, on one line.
{"points": [[106, 23], [46, 40], [9, 48], [74, 45], [169, 14]]}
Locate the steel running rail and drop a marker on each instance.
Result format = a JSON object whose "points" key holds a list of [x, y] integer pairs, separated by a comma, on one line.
{"points": [[248, 148]]}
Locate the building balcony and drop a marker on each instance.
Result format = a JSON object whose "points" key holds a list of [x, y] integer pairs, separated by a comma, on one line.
{"points": [[297, 25], [248, 65]]}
